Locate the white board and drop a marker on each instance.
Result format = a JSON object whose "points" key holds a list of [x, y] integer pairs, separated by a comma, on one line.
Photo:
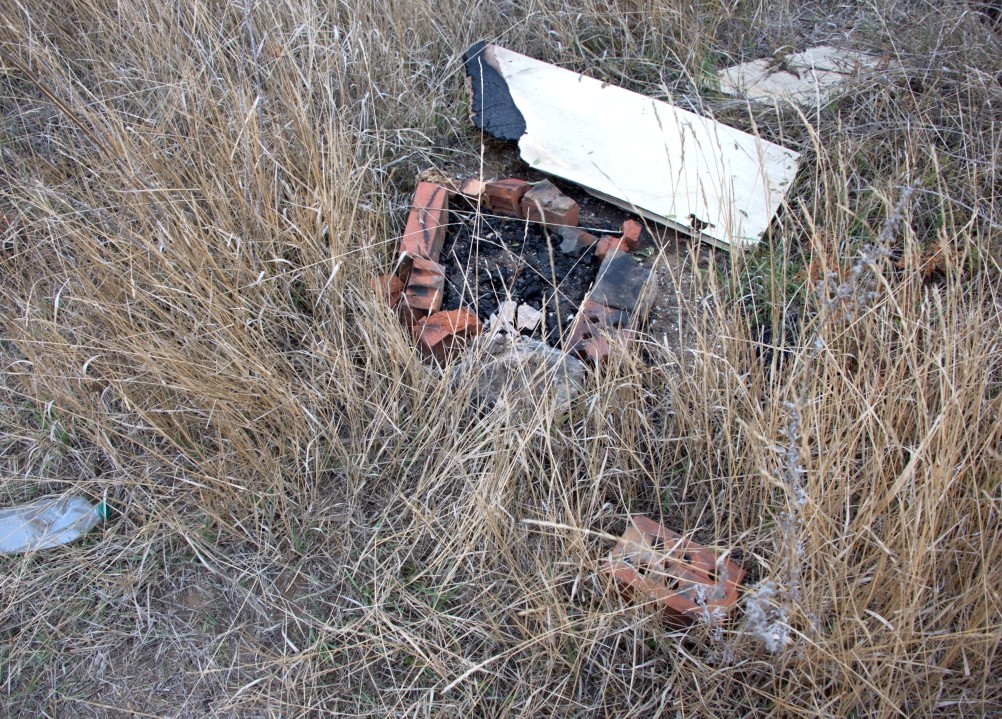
{"points": [[645, 155]]}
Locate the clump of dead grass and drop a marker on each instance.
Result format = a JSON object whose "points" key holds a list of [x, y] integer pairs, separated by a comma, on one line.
{"points": [[309, 520]]}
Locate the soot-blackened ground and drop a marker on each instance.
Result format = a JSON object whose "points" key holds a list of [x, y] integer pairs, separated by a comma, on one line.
{"points": [[489, 260]]}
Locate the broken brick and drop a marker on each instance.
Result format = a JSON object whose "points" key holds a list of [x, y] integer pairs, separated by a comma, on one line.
{"points": [[594, 349], [595, 331], [618, 302], [423, 290], [631, 234], [628, 241], [609, 245], [427, 222], [505, 196], [473, 188], [687, 581], [405, 261], [388, 288], [545, 203], [442, 333], [608, 317]]}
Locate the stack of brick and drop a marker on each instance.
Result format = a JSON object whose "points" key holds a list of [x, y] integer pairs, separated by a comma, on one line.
{"points": [[539, 202], [617, 303], [416, 288]]}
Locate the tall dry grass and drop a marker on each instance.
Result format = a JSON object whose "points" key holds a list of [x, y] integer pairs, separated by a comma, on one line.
{"points": [[309, 521]]}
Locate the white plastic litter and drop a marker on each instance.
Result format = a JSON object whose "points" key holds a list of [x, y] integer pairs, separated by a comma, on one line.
{"points": [[47, 522]]}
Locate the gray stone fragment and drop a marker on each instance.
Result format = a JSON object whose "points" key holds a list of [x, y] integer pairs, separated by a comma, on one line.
{"points": [[572, 247], [575, 240], [503, 320], [521, 374], [528, 318]]}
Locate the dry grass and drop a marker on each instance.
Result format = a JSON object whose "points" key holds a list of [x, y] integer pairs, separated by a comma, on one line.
{"points": [[309, 521]]}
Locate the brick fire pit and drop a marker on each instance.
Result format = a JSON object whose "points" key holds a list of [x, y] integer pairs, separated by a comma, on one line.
{"points": [[606, 317]]}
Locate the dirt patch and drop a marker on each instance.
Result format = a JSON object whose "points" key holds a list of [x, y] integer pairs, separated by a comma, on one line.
{"points": [[670, 321]]}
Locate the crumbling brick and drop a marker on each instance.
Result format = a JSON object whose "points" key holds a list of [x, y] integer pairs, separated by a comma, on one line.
{"points": [[596, 330], [441, 334], [687, 581], [631, 234], [424, 289], [473, 188], [427, 222], [504, 197], [610, 244], [545, 203]]}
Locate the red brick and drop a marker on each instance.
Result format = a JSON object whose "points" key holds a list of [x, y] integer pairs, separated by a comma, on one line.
{"points": [[388, 288], [443, 333], [596, 330], [423, 290], [631, 234], [683, 578], [609, 318], [545, 203], [608, 244], [405, 261], [596, 349], [473, 188], [628, 241], [427, 222], [504, 197]]}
